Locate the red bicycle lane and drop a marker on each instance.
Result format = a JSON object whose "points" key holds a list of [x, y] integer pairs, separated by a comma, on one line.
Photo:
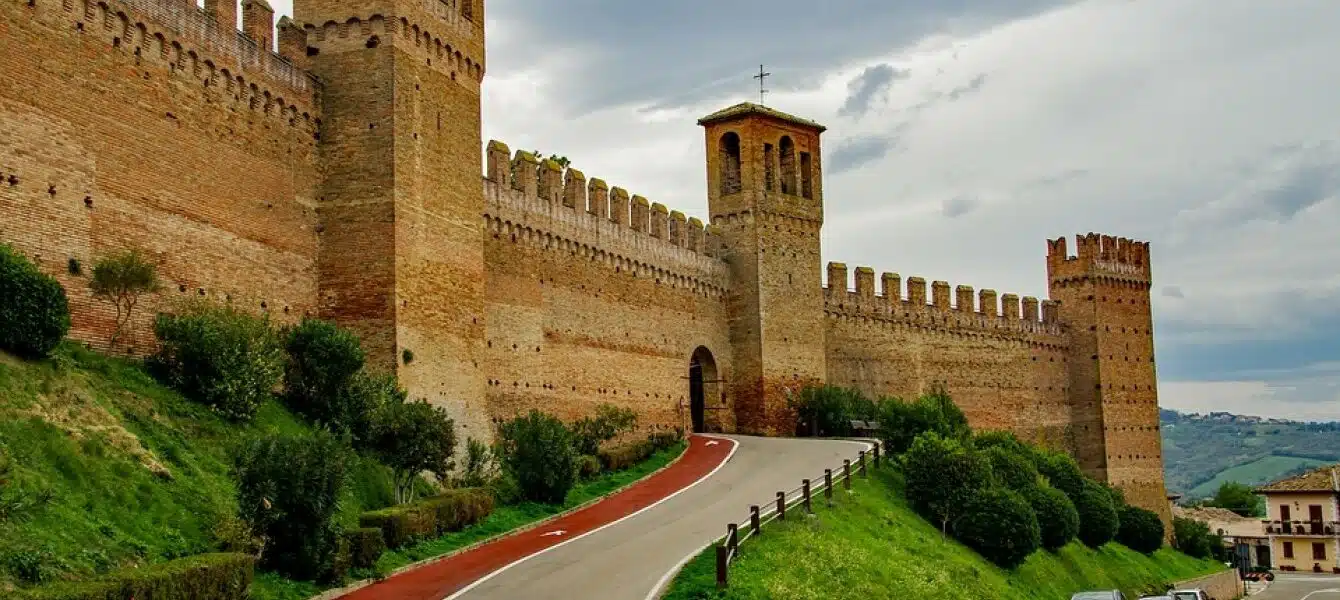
{"points": [[442, 578]]}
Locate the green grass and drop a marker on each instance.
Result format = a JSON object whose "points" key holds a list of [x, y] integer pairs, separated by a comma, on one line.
{"points": [[132, 473], [502, 520], [871, 545], [1257, 472]]}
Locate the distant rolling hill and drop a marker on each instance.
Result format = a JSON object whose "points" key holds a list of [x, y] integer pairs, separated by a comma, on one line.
{"points": [[1202, 451]]}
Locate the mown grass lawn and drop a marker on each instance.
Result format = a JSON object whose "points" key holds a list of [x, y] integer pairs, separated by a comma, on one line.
{"points": [[871, 545]]}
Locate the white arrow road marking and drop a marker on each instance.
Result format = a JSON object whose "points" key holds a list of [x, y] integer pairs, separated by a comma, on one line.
{"points": [[554, 532], [711, 443]]}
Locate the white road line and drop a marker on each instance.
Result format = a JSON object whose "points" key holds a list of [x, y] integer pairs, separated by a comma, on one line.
{"points": [[661, 583], [1327, 591], [734, 446]]}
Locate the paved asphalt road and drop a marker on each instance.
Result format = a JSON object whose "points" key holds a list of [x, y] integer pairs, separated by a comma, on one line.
{"points": [[1298, 587], [626, 560]]}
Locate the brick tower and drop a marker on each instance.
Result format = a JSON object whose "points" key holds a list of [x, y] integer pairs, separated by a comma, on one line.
{"points": [[1104, 295], [765, 195], [401, 253]]}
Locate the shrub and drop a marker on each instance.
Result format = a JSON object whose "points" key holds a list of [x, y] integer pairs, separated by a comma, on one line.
{"points": [[588, 466], [412, 437], [1000, 525], [1013, 470], [608, 422], [1193, 538], [288, 489], [1006, 440], [1140, 530], [1238, 498], [537, 450], [625, 455], [232, 534], [121, 279], [1097, 517], [200, 577], [365, 545], [478, 470], [829, 410], [34, 312], [942, 477], [323, 359], [661, 440], [901, 422], [219, 356], [1057, 517], [1061, 471], [453, 510]]}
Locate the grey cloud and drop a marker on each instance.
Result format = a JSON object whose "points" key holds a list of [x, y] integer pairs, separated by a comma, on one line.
{"points": [[1307, 186], [1172, 291], [863, 88], [972, 86], [854, 152], [958, 206], [668, 53]]}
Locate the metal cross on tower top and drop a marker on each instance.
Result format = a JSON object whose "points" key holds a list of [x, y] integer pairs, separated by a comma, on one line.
{"points": [[761, 77]]}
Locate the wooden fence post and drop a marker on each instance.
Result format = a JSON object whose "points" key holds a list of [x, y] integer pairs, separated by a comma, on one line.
{"points": [[862, 459], [876, 455], [722, 565], [754, 523], [805, 489], [846, 473], [781, 505], [828, 487], [733, 538]]}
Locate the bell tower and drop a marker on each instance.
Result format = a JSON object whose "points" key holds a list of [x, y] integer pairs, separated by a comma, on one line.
{"points": [[765, 195]]}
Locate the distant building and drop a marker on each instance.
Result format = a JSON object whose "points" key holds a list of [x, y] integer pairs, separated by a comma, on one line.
{"points": [[1244, 536], [1303, 521]]}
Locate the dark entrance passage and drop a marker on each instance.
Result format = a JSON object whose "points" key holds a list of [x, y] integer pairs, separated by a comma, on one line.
{"points": [[703, 386]]}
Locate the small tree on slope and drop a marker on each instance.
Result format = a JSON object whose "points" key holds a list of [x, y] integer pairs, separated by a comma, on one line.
{"points": [[942, 477]]}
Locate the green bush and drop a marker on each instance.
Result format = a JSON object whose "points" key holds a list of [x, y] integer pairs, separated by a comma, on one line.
{"points": [[1000, 525], [1140, 529], [478, 469], [323, 359], [1015, 471], [996, 438], [34, 312], [412, 437], [829, 410], [942, 476], [625, 455], [219, 356], [661, 440], [606, 424], [1061, 471], [537, 450], [1097, 517], [1194, 538], [455, 510], [451, 511], [1057, 517], [588, 467], [200, 577], [288, 490], [121, 279], [901, 422], [365, 545]]}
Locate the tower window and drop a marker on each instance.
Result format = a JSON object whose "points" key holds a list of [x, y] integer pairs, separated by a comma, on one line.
{"points": [[806, 180], [788, 150], [468, 9], [730, 163], [768, 167]]}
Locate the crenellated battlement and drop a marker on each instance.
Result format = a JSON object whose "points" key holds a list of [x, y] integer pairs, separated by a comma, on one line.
{"points": [[1099, 255], [952, 307], [373, 29], [191, 44], [606, 223]]}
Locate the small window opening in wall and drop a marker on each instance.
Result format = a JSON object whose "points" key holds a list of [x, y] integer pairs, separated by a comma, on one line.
{"points": [[51, 190], [313, 51], [13, 180], [200, 291], [79, 27], [74, 267], [181, 288], [373, 42]]}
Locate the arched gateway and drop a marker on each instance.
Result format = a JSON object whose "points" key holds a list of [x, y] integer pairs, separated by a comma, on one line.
{"points": [[704, 390]]}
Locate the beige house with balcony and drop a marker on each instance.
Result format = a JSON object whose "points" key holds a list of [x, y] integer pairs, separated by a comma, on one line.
{"points": [[1303, 521]]}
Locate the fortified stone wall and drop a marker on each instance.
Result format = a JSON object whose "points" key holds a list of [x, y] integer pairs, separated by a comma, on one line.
{"points": [[1004, 368], [593, 296], [144, 124]]}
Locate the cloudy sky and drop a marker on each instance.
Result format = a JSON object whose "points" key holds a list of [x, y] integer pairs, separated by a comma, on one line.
{"points": [[962, 133]]}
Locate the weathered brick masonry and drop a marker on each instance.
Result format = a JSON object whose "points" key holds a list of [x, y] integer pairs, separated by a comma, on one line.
{"points": [[341, 178]]}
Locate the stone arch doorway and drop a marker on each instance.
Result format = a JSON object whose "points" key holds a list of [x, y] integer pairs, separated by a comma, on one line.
{"points": [[704, 391]]}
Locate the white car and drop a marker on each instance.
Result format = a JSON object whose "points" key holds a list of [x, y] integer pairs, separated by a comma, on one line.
{"points": [[1193, 594]]}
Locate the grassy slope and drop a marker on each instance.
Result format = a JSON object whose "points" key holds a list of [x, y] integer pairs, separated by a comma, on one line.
{"points": [[871, 545], [502, 520], [1257, 472], [87, 428]]}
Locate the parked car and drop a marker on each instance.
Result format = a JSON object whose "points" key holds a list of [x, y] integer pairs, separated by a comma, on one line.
{"points": [[1156, 598], [1191, 594], [1099, 595]]}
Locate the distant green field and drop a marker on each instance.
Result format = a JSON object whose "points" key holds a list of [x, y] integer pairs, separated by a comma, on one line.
{"points": [[1257, 472]]}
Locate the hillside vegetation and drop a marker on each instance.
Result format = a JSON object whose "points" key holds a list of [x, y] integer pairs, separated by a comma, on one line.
{"points": [[1201, 452], [873, 545]]}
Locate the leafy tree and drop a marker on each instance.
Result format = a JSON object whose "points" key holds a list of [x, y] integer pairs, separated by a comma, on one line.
{"points": [[901, 422], [412, 437], [323, 361], [219, 356], [606, 424], [289, 490], [943, 476], [996, 438], [561, 160], [1140, 530], [1238, 498], [1013, 470], [537, 452], [1061, 471], [829, 410], [1057, 517], [121, 279], [1000, 525], [1098, 520], [34, 312], [1193, 538], [478, 469]]}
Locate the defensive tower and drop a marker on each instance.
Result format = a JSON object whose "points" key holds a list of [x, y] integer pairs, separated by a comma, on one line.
{"points": [[1104, 303], [765, 194]]}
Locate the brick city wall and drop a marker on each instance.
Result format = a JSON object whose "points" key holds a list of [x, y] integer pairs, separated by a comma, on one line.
{"points": [[1004, 368], [593, 296], [142, 124]]}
